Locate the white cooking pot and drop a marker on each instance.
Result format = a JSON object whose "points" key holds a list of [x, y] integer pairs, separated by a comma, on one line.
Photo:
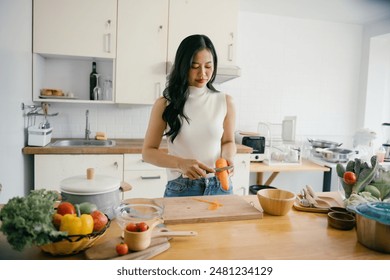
{"points": [[104, 191]]}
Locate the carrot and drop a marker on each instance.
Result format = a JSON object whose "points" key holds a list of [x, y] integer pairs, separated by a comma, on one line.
{"points": [[222, 176]]}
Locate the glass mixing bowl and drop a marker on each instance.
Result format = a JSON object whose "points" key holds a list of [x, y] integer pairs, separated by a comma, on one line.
{"points": [[138, 211]]}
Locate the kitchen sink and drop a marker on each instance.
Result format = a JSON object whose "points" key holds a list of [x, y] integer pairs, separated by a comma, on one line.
{"points": [[83, 143]]}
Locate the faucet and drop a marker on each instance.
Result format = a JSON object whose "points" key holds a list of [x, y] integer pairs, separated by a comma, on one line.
{"points": [[87, 130]]}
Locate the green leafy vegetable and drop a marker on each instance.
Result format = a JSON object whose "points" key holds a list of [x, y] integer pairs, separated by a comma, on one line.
{"points": [[366, 175], [27, 221]]}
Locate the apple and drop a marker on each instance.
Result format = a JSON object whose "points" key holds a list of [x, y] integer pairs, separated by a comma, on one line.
{"points": [[66, 208], [100, 220], [57, 220]]}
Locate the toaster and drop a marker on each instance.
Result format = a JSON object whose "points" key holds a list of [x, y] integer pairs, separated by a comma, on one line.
{"points": [[256, 142]]}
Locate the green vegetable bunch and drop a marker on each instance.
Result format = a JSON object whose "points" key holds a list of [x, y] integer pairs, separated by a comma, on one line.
{"points": [[372, 184], [363, 171], [27, 221]]}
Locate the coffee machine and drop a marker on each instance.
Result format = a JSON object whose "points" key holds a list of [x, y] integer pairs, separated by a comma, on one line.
{"points": [[386, 145]]}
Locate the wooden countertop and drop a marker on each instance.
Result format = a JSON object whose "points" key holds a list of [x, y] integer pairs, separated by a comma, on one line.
{"points": [[306, 165], [296, 236], [123, 146]]}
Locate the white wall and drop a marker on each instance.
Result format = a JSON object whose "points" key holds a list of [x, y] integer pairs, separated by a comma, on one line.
{"points": [[15, 88], [300, 67], [375, 81]]}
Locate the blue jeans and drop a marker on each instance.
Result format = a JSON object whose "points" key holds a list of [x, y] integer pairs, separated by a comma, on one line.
{"points": [[187, 187]]}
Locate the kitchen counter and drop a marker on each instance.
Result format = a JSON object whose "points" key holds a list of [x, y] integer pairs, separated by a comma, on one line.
{"points": [[123, 146], [297, 236], [260, 168]]}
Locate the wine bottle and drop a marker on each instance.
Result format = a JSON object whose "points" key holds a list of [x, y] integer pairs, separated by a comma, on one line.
{"points": [[92, 81]]}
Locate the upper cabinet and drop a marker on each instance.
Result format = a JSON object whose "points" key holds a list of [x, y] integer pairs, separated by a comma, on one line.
{"points": [[75, 28], [216, 19], [133, 43], [141, 50], [67, 37]]}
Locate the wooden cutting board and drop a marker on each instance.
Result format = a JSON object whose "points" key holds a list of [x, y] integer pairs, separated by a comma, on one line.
{"points": [[180, 210], [106, 250]]}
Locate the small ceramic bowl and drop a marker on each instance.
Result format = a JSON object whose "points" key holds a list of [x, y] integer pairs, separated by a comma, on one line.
{"points": [[339, 209], [342, 221]]}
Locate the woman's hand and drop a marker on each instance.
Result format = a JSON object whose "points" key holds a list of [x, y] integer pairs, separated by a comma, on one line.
{"points": [[194, 169]]}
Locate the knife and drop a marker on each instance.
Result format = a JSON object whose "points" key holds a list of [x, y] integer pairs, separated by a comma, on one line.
{"points": [[223, 168]]}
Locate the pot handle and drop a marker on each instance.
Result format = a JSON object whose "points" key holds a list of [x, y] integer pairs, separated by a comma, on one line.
{"points": [[125, 187]]}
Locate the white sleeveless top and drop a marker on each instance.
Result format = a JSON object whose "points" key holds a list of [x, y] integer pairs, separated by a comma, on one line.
{"points": [[200, 138]]}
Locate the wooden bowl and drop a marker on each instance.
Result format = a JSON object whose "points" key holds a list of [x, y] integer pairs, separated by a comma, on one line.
{"points": [[339, 209], [276, 202], [342, 221]]}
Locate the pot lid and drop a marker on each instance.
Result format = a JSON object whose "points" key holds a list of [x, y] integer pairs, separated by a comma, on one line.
{"points": [[89, 184], [378, 211]]}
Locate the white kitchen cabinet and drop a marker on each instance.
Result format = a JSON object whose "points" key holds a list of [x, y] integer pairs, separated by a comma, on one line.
{"points": [[240, 179], [75, 28], [217, 19], [147, 180], [141, 50], [67, 37], [51, 169]]}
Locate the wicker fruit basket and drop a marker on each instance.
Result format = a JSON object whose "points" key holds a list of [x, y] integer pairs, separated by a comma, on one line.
{"points": [[74, 244]]}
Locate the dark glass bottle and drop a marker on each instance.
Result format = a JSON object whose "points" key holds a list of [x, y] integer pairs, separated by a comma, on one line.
{"points": [[92, 81]]}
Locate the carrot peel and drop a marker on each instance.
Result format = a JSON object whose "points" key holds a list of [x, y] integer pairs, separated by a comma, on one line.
{"points": [[214, 205]]}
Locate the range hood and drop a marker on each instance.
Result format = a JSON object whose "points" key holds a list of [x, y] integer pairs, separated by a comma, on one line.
{"points": [[227, 73], [224, 73]]}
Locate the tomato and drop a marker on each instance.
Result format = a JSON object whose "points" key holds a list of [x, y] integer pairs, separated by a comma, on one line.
{"points": [[131, 227], [142, 226], [122, 249], [66, 208], [349, 178]]}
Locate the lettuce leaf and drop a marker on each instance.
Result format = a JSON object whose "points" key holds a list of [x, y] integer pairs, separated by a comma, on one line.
{"points": [[27, 221]]}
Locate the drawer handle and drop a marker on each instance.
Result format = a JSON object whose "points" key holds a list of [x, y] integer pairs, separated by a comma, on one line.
{"points": [[150, 177]]}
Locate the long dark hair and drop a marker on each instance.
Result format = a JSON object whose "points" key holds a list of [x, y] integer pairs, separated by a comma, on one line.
{"points": [[176, 91]]}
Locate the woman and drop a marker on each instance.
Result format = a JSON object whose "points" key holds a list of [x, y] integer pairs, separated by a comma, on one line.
{"points": [[197, 120]]}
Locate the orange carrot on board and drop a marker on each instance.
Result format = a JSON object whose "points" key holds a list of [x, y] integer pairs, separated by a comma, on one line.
{"points": [[222, 176], [214, 205]]}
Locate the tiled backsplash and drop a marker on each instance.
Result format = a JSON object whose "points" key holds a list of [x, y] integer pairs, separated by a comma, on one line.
{"points": [[115, 121]]}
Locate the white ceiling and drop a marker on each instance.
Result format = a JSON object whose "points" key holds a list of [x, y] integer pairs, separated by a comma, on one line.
{"points": [[346, 11]]}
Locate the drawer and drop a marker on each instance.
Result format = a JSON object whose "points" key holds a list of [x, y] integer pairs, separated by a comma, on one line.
{"points": [[146, 183], [135, 162]]}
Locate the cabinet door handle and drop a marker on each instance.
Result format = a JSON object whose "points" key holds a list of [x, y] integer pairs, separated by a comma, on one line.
{"points": [[150, 177], [116, 165], [230, 52], [107, 42]]}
